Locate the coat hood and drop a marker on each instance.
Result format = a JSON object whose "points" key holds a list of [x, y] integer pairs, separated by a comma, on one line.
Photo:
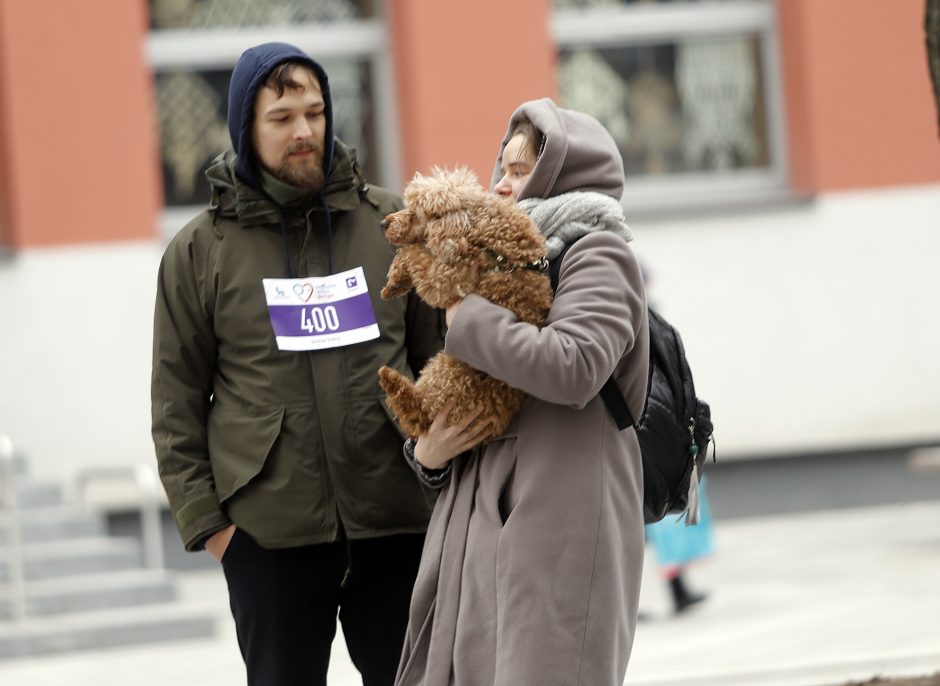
{"points": [[578, 153], [251, 71], [231, 196]]}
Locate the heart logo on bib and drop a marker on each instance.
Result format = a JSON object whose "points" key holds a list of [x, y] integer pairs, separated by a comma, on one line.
{"points": [[304, 291]]}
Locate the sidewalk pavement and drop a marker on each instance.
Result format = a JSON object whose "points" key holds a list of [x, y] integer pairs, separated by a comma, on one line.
{"points": [[813, 599]]}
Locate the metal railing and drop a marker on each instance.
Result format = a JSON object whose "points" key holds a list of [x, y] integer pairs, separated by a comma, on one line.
{"points": [[15, 572], [148, 491]]}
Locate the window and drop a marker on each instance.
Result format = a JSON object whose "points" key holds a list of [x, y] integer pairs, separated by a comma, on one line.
{"points": [[193, 45], [689, 90]]}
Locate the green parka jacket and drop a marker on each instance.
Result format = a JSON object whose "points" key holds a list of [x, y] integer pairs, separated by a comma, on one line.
{"points": [[295, 448]]}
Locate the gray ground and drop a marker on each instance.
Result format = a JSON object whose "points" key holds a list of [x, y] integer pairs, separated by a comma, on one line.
{"points": [[825, 572]]}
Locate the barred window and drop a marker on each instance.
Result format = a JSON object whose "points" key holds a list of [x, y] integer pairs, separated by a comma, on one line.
{"points": [[193, 46], [213, 14], [689, 90]]}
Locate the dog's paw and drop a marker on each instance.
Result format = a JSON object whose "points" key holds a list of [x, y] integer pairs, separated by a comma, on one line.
{"points": [[393, 290], [388, 378]]}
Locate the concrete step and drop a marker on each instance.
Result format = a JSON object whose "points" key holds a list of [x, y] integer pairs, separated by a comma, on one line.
{"points": [[31, 493], [92, 592], [104, 629], [20, 465], [53, 523], [48, 560]]}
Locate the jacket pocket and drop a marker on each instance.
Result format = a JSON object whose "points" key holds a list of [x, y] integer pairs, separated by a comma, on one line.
{"points": [[373, 439], [508, 496], [382, 476], [239, 444], [383, 401]]}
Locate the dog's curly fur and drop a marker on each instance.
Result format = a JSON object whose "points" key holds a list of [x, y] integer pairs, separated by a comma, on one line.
{"points": [[455, 238]]}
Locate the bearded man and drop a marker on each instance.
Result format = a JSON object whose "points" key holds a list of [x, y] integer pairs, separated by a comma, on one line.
{"points": [[273, 444]]}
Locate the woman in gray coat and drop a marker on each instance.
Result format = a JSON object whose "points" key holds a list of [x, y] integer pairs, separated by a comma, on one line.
{"points": [[532, 562]]}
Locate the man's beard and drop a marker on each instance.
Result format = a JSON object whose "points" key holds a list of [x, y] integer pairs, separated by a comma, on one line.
{"points": [[308, 176]]}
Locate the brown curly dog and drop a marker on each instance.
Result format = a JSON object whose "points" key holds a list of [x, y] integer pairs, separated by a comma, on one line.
{"points": [[455, 238]]}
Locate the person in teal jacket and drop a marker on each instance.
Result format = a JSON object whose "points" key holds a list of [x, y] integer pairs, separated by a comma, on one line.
{"points": [[676, 546]]}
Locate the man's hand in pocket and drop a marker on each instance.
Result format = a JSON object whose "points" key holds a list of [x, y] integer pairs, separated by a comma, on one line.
{"points": [[218, 542]]}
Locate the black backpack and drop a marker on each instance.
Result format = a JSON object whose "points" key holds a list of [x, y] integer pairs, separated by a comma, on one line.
{"points": [[675, 429]]}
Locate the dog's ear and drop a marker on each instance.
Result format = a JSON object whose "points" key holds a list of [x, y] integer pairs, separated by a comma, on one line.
{"points": [[510, 232], [452, 224], [448, 237], [449, 249], [448, 246]]}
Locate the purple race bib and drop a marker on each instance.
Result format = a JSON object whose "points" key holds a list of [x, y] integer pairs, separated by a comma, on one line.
{"points": [[321, 312]]}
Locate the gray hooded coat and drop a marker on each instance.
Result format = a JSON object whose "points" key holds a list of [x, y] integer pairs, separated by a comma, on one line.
{"points": [[532, 563]]}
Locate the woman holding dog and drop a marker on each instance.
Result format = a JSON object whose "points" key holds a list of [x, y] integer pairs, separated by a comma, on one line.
{"points": [[532, 563]]}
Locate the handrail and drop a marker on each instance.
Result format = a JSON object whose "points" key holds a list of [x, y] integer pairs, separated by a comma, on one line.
{"points": [[149, 491], [15, 573]]}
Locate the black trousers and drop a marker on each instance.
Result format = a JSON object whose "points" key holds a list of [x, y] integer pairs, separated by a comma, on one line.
{"points": [[285, 603]]}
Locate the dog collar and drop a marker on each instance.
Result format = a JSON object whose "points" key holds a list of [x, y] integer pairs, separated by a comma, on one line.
{"points": [[503, 265]]}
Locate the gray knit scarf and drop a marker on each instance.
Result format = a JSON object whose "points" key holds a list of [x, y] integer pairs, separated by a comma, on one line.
{"points": [[564, 218]]}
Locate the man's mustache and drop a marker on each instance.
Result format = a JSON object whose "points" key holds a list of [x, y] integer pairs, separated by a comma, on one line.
{"points": [[303, 147]]}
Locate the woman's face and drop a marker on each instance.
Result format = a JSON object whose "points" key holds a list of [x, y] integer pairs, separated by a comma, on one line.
{"points": [[517, 164]]}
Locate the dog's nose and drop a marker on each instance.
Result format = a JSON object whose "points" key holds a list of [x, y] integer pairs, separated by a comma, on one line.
{"points": [[384, 224]]}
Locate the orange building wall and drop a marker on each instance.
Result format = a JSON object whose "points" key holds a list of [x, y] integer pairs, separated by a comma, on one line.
{"points": [[78, 149], [6, 205], [461, 69], [857, 94], [77, 118]]}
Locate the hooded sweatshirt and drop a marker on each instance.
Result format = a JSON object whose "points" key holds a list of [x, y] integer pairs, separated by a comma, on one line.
{"points": [[248, 76]]}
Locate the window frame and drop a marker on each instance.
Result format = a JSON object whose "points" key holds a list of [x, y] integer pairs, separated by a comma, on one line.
{"points": [[657, 23], [364, 40]]}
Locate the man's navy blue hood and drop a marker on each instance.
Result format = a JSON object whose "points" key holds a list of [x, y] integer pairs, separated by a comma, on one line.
{"points": [[250, 73]]}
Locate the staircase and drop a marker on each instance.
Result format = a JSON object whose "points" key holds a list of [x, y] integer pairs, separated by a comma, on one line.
{"points": [[81, 588]]}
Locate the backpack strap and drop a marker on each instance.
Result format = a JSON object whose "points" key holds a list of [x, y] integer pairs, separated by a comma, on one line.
{"points": [[554, 267], [610, 392], [616, 405]]}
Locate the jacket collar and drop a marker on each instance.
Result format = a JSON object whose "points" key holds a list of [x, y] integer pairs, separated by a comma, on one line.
{"points": [[233, 198]]}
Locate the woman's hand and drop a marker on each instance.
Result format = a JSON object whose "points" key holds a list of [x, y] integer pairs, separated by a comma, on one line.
{"points": [[443, 442]]}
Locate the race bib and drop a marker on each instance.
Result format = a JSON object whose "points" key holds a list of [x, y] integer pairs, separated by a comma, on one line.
{"points": [[321, 312]]}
